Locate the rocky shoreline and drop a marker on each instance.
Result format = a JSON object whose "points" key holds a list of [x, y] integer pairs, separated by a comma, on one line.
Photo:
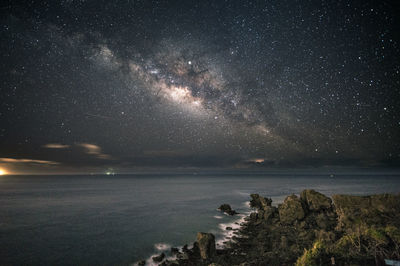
{"points": [[312, 229]]}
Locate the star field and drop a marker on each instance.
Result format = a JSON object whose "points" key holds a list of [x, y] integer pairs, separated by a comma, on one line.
{"points": [[88, 86]]}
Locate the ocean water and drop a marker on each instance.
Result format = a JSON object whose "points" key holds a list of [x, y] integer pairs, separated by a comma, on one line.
{"points": [[117, 220]]}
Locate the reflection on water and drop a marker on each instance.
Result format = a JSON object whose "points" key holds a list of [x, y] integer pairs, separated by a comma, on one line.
{"points": [[51, 220]]}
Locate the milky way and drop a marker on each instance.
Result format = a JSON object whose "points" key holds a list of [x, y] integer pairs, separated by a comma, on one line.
{"points": [[89, 86]]}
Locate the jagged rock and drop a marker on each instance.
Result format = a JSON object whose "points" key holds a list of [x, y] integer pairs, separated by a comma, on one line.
{"points": [[228, 228], [183, 256], [269, 212], [206, 242], [174, 251], [253, 216], [226, 208], [315, 201], [195, 251], [158, 258], [291, 210], [141, 263], [259, 202]]}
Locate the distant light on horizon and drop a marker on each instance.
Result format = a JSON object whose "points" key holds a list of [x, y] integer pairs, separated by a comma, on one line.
{"points": [[2, 172]]}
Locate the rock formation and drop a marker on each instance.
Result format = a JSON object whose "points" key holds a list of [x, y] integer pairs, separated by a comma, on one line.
{"points": [[307, 230], [158, 258], [206, 244], [226, 208]]}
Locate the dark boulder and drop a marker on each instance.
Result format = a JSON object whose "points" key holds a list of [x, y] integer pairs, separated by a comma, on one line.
{"points": [[174, 251], [185, 248], [206, 244], [141, 263], [226, 208], [158, 258]]}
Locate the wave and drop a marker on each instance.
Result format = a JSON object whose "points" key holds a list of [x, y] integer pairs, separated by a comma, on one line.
{"points": [[232, 228], [162, 246], [221, 242]]}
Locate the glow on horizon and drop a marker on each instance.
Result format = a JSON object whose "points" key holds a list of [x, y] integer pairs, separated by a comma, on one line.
{"points": [[2, 172]]}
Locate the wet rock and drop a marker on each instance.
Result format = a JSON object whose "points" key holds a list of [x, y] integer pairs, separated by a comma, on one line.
{"points": [[291, 210], [226, 208], [174, 251], [206, 243], [315, 201], [158, 258], [185, 248], [228, 228], [141, 263]]}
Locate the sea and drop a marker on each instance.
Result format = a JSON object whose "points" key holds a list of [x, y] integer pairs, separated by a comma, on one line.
{"points": [[121, 219]]}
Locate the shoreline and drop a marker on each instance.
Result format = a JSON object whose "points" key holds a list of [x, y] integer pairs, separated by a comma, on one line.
{"points": [[221, 242], [303, 230]]}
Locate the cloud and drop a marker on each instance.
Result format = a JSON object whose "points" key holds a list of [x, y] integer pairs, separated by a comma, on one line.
{"points": [[166, 153], [94, 150], [12, 160], [56, 146]]}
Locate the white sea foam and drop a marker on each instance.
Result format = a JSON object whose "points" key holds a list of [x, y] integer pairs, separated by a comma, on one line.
{"points": [[235, 225], [226, 235], [162, 246], [150, 262], [242, 193]]}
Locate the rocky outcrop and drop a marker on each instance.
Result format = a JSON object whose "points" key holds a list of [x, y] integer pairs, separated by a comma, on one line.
{"points": [[206, 244], [291, 210], [226, 208], [315, 201], [259, 202]]}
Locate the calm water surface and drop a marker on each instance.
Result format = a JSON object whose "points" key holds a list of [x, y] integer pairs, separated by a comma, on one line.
{"points": [[103, 220]]}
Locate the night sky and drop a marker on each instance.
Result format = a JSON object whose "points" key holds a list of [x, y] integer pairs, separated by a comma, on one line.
{"points": [[117, 86]]}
